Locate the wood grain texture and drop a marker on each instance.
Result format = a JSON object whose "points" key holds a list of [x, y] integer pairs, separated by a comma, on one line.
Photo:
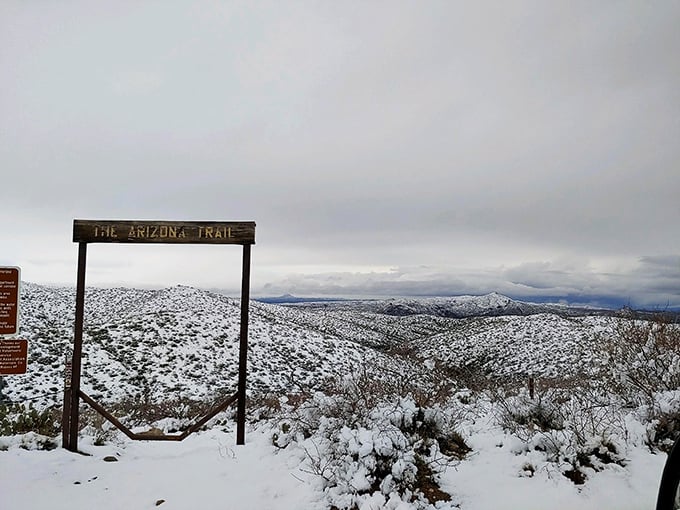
{"points": [[164, 232]]}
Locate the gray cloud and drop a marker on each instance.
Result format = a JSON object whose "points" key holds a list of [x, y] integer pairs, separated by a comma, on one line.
{"points": [[475, 138], [641, 285]]}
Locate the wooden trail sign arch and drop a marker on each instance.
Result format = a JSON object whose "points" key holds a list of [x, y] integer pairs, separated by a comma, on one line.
{"points": [[154, 232]]}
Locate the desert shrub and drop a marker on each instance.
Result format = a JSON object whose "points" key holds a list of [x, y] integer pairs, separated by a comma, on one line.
{"points": [[517, 410], [394, 450], [474, 374], [367, 443], [143, 409], [579, 428], [643, 358], [643, 369], [662, 419], [168, 415], [18, 419], [93, 424], [264, 406]]}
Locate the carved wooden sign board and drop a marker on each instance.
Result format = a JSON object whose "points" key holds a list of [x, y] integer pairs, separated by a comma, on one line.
{"points": [[164, 232]]}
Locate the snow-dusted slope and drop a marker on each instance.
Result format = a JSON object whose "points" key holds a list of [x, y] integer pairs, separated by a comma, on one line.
{"points": [[459, 306], [537, 345], [183, 342], [180, 340], [488, 305]]}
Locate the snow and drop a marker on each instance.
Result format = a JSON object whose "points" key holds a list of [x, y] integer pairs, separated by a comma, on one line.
{"points": [[208, 471], [495, 479]]}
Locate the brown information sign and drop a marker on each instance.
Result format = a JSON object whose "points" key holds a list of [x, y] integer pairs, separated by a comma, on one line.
{"points": [[9, 300], [13, 356], [166, 232]]}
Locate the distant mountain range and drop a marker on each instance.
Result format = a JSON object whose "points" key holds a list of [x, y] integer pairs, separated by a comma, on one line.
{"points": [[488, 305], [288, 299]]}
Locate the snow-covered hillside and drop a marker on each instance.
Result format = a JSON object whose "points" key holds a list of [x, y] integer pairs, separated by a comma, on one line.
{"points": [[179, 340], [458, 307], [544, 345], [185, 341]]}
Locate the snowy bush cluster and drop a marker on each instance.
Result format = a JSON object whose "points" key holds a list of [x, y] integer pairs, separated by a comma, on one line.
{"points": [[385, 451], [644, 359], [579, 429], [643, 370], [386, 439]]}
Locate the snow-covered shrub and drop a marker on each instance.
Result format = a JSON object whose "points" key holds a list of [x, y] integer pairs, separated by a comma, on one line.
{"points": [[474, 374], [145, 409], [643, 360], [369, 444], [662, 419], [523, 416], [28, 441], [580, 429], [427, 380], [94, 425], [396, 450], [263, 406]]}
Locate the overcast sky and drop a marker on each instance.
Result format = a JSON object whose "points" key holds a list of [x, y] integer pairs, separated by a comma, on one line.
{"points": [[383, 148]]}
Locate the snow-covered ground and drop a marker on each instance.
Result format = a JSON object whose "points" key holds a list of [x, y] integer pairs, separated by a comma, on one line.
{"points": [[208, 471], [494, 479]]}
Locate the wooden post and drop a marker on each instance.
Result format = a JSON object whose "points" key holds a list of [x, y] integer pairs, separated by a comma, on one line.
{"points": [[66, 413], [243, 349], [77, 350], [531, 388]]}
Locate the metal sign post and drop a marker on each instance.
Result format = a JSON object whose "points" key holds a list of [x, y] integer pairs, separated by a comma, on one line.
{"points": [[155, 232]]}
